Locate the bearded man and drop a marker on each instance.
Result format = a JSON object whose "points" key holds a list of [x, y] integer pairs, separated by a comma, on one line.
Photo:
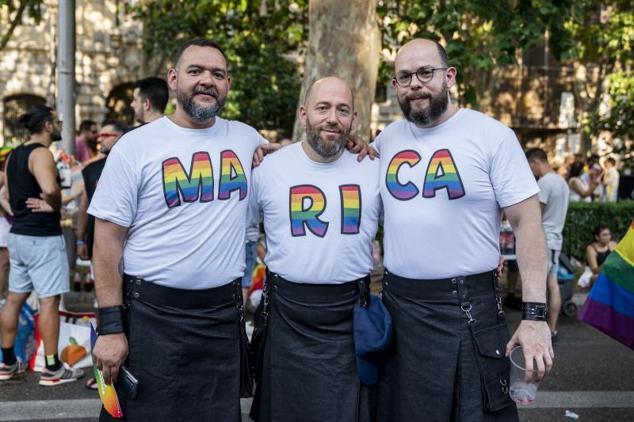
{"points": [[321, 208], [446, 175], [171, 209]]}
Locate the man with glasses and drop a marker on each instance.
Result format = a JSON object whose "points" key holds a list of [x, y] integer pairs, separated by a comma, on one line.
{"points": [[36, 245], [109, 134], [447, 174], [86, 142]]}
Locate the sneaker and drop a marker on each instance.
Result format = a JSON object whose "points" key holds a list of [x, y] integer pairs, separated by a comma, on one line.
{"points": [[8, 371], [61, 376]]}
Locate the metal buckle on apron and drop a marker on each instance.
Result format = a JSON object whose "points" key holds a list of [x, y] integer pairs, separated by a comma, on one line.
{"points": [[466, 308]]}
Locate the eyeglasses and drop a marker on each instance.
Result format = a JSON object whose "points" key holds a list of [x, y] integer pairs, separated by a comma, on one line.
{"points": [[424, 74]]}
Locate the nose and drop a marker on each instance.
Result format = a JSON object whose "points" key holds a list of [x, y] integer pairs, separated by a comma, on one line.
{"points": [[206, 78], [332, 116]]}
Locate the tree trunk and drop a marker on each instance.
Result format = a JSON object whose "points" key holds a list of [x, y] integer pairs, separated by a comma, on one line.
{"points": [[344, 41]]}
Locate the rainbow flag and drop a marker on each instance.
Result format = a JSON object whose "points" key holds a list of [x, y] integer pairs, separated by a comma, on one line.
{"points": [[610, 304]]}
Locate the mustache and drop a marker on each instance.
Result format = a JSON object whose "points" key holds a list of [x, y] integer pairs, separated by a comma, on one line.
{"points": [[211, 92], [418, 96]]}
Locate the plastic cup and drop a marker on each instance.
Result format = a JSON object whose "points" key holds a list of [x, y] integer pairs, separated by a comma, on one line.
{"points": [[521, 392]]}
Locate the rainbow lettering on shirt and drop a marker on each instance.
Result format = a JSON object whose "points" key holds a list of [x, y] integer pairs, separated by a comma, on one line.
{"points": [[198, 185], [442, 174], [301, 216], [396, 189], [232, 176], [350, 208]]}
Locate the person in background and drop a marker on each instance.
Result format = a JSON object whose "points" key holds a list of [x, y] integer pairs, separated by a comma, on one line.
{"points": [[599, 249], [610, 180], [36, 245], [579, 189], [149, 99], [86, 142], [553, 197]]}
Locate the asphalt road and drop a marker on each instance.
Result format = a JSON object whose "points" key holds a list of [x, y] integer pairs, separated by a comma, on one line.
{"points": [[593, 376]]}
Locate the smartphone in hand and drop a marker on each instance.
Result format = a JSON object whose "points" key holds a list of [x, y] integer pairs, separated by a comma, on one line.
{"points": [[129, 383]]}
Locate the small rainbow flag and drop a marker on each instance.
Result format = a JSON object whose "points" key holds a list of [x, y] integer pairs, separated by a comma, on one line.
{"points": [[610, 304], [107, 393]]}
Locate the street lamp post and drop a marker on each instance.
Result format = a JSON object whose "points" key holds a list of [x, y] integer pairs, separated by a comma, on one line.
{"points": [[66, 72]]}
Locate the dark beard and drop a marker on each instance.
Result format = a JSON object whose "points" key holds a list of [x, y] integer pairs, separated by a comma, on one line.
{"points": [[438, 105], [56, 136], [313, 139], [196, 111]]}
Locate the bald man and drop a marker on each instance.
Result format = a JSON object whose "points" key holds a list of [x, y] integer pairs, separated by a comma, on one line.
{"points": [[446, 176], [321, 207]]}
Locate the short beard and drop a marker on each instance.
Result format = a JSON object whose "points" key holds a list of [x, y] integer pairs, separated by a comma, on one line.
{"points": [[438, 105], [196, 111], [320, 147], [56, 136]]}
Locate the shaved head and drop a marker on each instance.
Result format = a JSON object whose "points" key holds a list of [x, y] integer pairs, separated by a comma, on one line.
{"points": [[431, 49], [335, 81]]}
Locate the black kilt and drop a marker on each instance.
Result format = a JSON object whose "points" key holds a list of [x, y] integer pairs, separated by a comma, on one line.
{"points": [[434, 370], [184, 349], [308, 366]]}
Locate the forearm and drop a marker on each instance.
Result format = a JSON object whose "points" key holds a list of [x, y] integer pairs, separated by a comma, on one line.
{"points": [[107, 254], [532, 260], [532, 252], [54, 199]]}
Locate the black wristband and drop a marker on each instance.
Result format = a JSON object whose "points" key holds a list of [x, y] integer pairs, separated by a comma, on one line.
{"points": [[534, 311], [110, 320]]}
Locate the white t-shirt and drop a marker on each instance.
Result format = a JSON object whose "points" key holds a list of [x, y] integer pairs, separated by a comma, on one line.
{"points": [[442, 189], [183, 194], [554, 194], [319, 218]]}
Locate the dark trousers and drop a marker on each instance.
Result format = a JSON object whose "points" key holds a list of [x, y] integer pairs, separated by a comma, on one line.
{"points": [[444, 365], [184, 349]]}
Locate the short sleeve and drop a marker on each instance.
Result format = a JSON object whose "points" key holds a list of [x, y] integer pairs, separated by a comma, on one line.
{"points": [[378, 141], [544, 190], [115, 198], [511, 177], [253, 214]]}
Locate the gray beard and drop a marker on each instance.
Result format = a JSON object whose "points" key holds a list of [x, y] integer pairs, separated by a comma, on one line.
{"points": [[313, 139], [438, 105], [195, 110]]}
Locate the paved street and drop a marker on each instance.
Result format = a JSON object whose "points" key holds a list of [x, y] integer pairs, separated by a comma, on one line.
{"points": [[593, 377]]}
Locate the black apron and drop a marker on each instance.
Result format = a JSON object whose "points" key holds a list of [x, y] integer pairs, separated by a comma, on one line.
{"points": [[308, 369], [184, 349], [440, 367]]}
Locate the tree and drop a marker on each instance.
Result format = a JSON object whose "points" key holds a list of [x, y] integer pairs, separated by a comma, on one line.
{"points": [[261, 39], [600, 35], [344, 41], [11, 14]]}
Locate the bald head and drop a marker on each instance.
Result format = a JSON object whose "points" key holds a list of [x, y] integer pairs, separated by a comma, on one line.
{"points": [[430, 51], [329, 84]]}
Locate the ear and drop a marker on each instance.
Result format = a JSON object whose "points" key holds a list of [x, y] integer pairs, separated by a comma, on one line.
{"points": [[394, 84], [228, 83], [171, 78], [353, 123], [450, 76], [302, 115], [147, 106]]}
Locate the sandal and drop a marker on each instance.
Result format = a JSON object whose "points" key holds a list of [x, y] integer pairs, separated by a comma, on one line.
{"points": [[91, 384]]}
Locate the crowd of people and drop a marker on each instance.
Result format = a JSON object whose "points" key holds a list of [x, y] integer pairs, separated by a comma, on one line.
{"points": [[169, 214], [594, 179]]}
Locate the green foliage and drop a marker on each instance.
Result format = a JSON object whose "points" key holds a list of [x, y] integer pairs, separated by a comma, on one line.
{"points": [[480, 35], [583, 217], [602, 33], [257, 41]]}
